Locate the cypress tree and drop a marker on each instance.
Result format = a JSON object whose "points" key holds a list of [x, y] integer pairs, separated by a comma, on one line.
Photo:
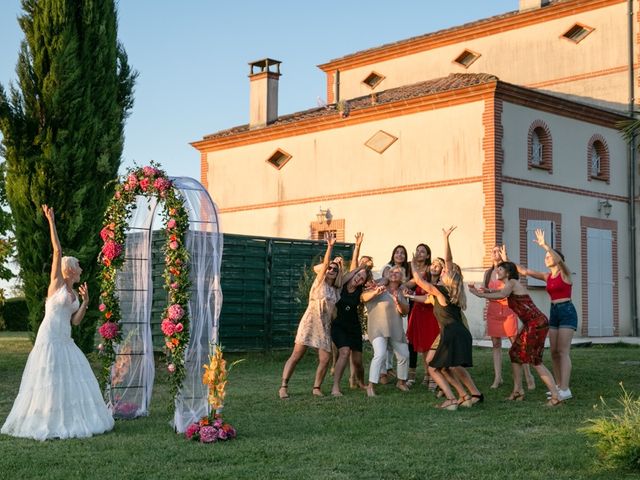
{"points": [[63, 138]]}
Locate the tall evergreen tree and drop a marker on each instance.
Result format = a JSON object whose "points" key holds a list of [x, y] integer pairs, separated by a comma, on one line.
{"points": [[6, 223], [63, 138]]}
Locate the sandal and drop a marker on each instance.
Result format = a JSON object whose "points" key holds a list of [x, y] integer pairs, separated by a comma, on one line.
{"points": [[283, 391], [465, 401], [496, 384], [317, 392], [450, 404], [477, 399], [516, 396], [553, 402]]}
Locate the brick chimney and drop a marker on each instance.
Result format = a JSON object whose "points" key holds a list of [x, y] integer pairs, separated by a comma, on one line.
{"points": [[532, 4], [263, 92]]}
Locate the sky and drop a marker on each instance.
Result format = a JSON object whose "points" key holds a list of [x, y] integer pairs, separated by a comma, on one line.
{"points": [[192, 58]]}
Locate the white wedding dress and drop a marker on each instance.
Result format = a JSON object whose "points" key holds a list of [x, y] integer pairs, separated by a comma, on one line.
{"points": [[59, 395]]}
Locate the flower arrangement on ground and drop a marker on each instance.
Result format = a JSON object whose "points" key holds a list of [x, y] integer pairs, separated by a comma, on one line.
{"points": [[148, 181], [212, 428]]}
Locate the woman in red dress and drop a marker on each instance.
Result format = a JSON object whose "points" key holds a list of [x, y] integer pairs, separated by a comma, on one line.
{"points": [[529, 343]]}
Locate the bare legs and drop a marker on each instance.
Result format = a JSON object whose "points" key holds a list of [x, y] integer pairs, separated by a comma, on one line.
{"points": [[544, 374], [299, 350], [496, 349], [560, 340]]}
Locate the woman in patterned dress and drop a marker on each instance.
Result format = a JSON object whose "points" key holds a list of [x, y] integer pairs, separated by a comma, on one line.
{"points": [[314, 330], [529, 343]]}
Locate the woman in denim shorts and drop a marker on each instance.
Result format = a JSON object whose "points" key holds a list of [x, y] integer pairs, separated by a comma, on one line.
{"points": [[563, 320]]}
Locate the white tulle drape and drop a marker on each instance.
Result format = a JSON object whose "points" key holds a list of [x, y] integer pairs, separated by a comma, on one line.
{"points": [[133, 373], [204, 243]]}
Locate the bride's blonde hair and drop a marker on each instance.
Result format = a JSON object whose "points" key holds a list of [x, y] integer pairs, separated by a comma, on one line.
{"points": [[70, 263]]}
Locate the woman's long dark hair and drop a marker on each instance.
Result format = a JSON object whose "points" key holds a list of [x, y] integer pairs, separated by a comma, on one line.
{"points": [[511, 269], [427, 260], [405, 264]]}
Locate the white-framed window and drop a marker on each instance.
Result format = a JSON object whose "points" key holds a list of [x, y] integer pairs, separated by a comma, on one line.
{"points": [[536, 149], [535, 254], [596, 161]]}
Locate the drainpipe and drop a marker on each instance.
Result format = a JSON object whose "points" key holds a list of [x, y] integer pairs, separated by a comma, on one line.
{"points": [[337, 86], [632, 184]]}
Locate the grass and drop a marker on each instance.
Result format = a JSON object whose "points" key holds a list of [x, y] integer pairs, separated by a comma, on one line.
{"points": [[395, 435]]}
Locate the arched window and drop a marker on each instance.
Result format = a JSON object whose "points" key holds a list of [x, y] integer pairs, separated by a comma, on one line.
{"points": [[539, 147], [597, 159]]}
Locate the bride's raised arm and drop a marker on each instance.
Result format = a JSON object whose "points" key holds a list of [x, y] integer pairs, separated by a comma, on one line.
{"points": [[56, 263]]}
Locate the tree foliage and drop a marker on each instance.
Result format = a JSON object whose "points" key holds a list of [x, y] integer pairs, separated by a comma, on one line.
{"points": [[63, 137], [7, 242]]}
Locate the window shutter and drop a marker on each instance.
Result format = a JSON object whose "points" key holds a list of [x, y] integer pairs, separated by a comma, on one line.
{"points": [[535, 254]]}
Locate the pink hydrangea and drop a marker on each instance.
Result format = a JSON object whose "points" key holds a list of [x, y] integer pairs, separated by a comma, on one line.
{"points": [[132, 180], [150, 171], [208, 434], [175, 312], [171, 223], [222, 435], [144, 184], [162, 184], [102, 307], [179, 327], [106, 234], [192, 429], [111, 249], [108, 330], [173, 245], [167, 327], [175, 285], [171, 367]]}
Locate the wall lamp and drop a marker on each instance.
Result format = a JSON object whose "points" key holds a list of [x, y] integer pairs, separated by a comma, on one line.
{"points": [[604, 206]]}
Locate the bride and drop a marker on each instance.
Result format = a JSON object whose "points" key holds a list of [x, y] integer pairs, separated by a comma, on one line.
{"points": [[59, 395]]}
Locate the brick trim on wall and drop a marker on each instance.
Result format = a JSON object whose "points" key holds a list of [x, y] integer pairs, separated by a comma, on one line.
{"points": [[204, 170], [544, 134], [318, 229], [562, 188], [526, 214], [492, 178], [603, 224], [604, 159]]}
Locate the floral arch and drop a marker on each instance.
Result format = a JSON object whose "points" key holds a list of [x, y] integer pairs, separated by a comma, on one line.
{"points": [[191, 254]]}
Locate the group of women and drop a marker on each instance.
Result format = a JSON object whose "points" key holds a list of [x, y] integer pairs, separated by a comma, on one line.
{"points": [[418, 307]]}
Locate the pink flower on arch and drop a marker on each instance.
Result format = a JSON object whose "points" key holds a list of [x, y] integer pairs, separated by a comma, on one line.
{"points": [[192, 430], [175, 312], [111, 249], [144, 184], [150, 171], [171, 223], [162, 184], [132, 180], [102, 307], [171, 367], [167, 327], [179, 327], [106, 234], [173, 245], [108, 330], [175, 285]]}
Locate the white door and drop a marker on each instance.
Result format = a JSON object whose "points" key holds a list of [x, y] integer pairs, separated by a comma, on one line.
{"points": [[600, 282]]}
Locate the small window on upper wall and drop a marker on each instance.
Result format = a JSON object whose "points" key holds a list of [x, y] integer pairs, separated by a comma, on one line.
{"points": [[279, 158], [577, 33], [539, 147], [466, 58], [380, 141], [598, 159], [373, 80]]}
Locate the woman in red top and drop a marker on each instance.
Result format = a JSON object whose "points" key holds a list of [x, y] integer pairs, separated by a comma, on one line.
{"points": [[563, 320]]}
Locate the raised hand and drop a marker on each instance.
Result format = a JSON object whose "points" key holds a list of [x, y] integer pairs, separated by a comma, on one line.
{"points": [[48, 213], [503, 253], [446, 232], [330, 237], [84, 293], [476, 291], [540, 237], [359, 238]]}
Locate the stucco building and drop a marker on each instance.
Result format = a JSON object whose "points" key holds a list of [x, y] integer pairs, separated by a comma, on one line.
{"points": [[499, 126]]}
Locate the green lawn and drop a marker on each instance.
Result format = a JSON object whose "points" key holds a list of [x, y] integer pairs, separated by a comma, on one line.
{"points": [[395, 435]]}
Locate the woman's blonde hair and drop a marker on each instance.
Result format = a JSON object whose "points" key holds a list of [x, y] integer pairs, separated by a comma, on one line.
{"points": [[70, 263], [403, 276], [454, 282]]}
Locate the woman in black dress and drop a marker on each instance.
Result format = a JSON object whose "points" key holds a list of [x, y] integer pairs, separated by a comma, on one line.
{"points": [[454, 352], [346, 331]]}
